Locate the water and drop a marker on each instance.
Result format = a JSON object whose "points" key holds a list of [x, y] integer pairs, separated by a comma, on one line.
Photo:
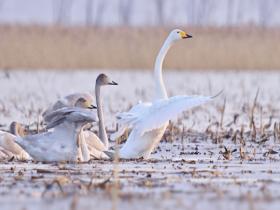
{"points": [[190, 170]]}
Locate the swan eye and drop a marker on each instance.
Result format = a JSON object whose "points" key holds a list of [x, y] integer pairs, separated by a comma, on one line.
{"points": [[178, 32]]}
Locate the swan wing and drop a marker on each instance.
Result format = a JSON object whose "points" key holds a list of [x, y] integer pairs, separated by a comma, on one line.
{"points": [[93, 140], [126, 120], [167, 109], [133, 113], [70, 114]]}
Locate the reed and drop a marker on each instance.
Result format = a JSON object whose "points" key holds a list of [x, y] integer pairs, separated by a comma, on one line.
{"points": [[37, 47]]}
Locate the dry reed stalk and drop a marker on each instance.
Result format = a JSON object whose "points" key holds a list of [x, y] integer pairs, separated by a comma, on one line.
{"points": [[242, 140], [261, 120], [275, 132], [267, 125], [253, 109], [222, 114], [234, 137], [182, 138], [242, 153], [254, 132], [38, 123], [57, 47], [216, 138]]}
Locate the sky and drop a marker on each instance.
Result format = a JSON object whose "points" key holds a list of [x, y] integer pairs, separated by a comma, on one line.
{"points": [[141, 12]]}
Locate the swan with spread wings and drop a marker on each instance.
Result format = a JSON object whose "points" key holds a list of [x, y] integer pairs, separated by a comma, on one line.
{"points": [[148, 121], [60, 144]]}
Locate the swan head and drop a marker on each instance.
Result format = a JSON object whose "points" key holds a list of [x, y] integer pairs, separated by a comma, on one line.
{"points": [[84, 103], [178, 34], [103, 79], [18, 129]]}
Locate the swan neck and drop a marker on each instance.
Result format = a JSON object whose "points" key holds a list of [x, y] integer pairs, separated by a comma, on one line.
{"points": [[161, 92], [102, 131]]}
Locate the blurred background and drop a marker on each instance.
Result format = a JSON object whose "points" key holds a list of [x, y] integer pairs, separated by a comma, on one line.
{"points": [[127, 34]]}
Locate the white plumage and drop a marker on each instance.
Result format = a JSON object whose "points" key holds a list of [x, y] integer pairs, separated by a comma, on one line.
{"points": [[161, 111], [149, 121]]}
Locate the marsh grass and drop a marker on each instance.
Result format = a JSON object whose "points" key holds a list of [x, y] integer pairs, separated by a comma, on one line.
{"points": [[56, 47]]}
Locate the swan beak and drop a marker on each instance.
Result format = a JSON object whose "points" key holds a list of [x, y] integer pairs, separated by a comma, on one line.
{"points": [[92, 107], [113, 83], [184, 35]]}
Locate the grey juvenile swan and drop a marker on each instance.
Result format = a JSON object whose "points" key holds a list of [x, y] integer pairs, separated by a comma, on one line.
{"points": [[96, 145]]}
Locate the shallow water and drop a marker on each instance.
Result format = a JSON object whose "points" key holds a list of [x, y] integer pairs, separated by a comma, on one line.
{"points": [[189, 169]]}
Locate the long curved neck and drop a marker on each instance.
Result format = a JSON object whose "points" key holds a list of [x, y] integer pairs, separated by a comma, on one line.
{"points": [[102, 131], [160, 87]]}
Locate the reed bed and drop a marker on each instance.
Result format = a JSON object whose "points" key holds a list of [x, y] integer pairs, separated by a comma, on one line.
{"points": [[37, 47]]}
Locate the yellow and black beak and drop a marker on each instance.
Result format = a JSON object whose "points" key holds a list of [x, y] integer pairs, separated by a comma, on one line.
{"points": [[184, 35], [113, 83], [92, 107]]}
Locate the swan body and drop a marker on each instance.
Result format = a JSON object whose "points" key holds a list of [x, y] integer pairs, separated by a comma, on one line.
{"points": [[90, 145], [71, 101], [123, 119], [149, 121], [95, 145], [61, 144], [9, 148]]}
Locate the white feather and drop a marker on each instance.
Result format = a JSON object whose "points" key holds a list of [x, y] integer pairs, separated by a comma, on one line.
{"points": [[149, 121], [148, 116], [126, 119], [166, 109]]}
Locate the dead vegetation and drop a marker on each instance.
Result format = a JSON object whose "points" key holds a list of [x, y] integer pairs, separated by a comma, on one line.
{"points": [[56, 47], [224, 153]]}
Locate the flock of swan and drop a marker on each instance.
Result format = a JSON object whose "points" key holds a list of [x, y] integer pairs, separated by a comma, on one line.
{"points": [[66, 137]]}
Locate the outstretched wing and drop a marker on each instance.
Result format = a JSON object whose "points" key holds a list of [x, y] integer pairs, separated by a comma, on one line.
{"points": [[69, 114], [167, 109], [126, 119]]}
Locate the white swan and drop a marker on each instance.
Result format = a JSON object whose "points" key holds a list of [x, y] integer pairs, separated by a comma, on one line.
{"points": [[148, 121], [62, 143]]}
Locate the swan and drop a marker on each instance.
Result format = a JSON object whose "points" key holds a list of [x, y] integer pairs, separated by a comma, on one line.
{"points": [[60, 144], [96, 145], [18, 129], [21, 130], [83, 100], [90, 145], [9, 148], [148, 121]]}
